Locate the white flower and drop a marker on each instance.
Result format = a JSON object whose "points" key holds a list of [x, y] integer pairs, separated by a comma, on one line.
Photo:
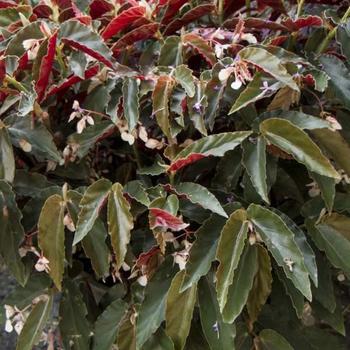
{"points": [[32, 48], [250, 38], [236, 84], [19, 326], [334, 124], [68, 222], [128, 137], [142, 280], [9, 311], [314, 190], [8, 326], [152, 143], [76, 105], [224, 74], [25, 145], [42, 265], [143, 134], [180, 260]]}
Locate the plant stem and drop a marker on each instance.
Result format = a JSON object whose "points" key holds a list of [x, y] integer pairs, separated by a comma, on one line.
{"points": [[332, 33], [248, 7], [300, 7], [60, 60], [221, 11], [15, 83], [137, 155]]}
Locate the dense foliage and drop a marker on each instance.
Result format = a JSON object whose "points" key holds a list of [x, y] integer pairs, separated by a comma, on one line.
{"points": [[175, 174]]}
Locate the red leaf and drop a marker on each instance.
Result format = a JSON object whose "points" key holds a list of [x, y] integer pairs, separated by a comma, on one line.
{"points": [[73, 79], [277, 5], [84, 20], [279, 40], [141, 33], [89, 51], [162, 218], [6, 4], [144, 258], [172, 9], [42, 11], [99, 8], [123, 20], [256, 23], [46, 67], [23, 62], [201, 46], [309, 21], [308, 79], [233, 6], [180, 163], [188, 17]]}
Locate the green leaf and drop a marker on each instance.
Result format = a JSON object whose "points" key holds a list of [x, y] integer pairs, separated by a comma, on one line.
{"points": [[152, 310], [7, 159], [94, 197], [22, 296], [8, 16], [261, 286], [271, 340], [196, 107], [327, 187], [335, 319], [340, 78], [11, 233], [242, 283], [279, 240], [299, 119], [178, 324], [324, 293], [75, 329], [93, 243], [333, 243], [214, 145], [171, 52], [31, 31], [207, 237], [51, 236], [34, 325], [303, 244], [30, 183], [230, 248], [335, 145], [254, 160], [34, 132], [343, 37], [88, 138], [201, 45], [81, 37], [219, 335], [126, 338], [131, 102], [107, 325], [136, 190], [160, 98], [295, 141], [159, 341], [184, 77], [268, 63], [297, 299], [198, 194], [254, 92], [214, 92], [120, 222]]}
